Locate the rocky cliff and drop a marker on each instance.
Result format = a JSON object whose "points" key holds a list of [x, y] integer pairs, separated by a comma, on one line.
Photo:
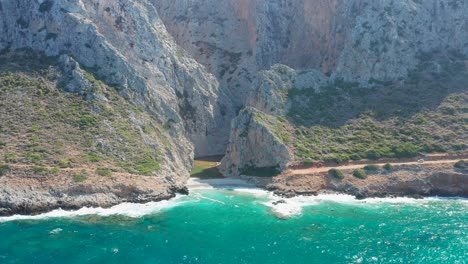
{"points": [[126, 44], [355, 41], [358, 39], [118, 44]]}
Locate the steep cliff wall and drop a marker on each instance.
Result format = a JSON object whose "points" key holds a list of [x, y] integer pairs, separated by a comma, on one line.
{"points": [[145, 49], [356, 43], [354, 40], [391, 37], [234, 39], [126, 44], [357, 40]]}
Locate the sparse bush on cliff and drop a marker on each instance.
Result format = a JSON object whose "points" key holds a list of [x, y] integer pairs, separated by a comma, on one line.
{"points": [[461, 165], [147, 166], [104, 172], [388, 166], [80, 177], [39, 169], [86, 121], [94, 157], [337, 174], [337, 158], [64, 163], [406, 150], [360, 174], [3, 169], [371, 167], [11, 157], [34, 157]]}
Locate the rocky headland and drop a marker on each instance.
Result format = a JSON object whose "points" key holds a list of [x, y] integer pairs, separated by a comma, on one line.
{"points": [[416, 181]]}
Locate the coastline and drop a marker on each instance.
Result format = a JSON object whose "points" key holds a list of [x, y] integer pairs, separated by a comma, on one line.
{"points": [[416, 181], [32, 196], [280, 206]]}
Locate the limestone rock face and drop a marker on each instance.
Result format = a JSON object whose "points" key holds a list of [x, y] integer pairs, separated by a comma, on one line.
{"points": [[75, 81], [389, 37], [353, 40], [270, 88], [126, 44], [236, 38], [253, 140], [253, 144]]}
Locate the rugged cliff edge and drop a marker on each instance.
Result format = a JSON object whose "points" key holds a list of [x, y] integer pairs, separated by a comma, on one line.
{"points": [[400, 181]]}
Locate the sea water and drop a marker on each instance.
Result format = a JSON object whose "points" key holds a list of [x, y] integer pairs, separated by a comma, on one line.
{"points": [[244, 226]]}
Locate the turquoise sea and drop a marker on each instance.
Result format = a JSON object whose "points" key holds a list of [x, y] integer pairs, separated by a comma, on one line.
{"points": [[242, 226]]}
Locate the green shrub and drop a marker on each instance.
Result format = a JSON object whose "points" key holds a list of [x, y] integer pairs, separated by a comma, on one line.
{"points": [[35, 128], [336, 158], [55, 170], [94, 157], [34, 157], [461, 164], [337, 174], [147, 167], [80, 177], [356, 156], [388, 166], [11, 157], [39, 169], [104, 172], [406, 150], [3, 169], [64, 163], [87, 121], [2, 144], [371, 167], [360, 174], [373, 155]]}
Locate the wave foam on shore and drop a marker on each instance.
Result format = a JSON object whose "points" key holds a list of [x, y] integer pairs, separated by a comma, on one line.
{"points": [[125, 209], [281, 207]]}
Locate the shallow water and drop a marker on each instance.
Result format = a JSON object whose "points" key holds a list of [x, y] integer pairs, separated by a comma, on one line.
{"points": [[222, 226]]}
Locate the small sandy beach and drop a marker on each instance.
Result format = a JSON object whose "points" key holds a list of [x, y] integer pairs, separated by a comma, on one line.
{"points": [[197, 183]]}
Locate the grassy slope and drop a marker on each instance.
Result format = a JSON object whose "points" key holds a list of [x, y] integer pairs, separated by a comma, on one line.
{"points": [[44, 127], [428, 112]]}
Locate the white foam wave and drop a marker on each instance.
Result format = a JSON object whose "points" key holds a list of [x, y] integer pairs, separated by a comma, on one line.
{"points": [[281, 207], [125, 209], [290, 207]]}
